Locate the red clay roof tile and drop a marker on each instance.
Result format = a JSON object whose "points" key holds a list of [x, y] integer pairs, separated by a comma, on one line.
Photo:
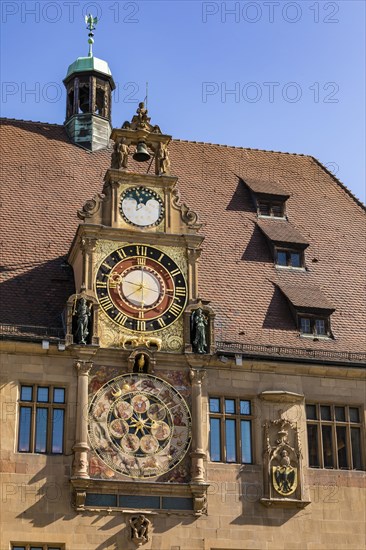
{"points": [[281, 231], [306, 297], [265, 187]]}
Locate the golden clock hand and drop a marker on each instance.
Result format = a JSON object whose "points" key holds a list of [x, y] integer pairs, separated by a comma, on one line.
{"points": [[133, 292], [131, 283], [151, 289]]}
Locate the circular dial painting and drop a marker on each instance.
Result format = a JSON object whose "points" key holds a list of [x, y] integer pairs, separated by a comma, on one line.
{"points": [[141, 288], [141, 206], [139, 425]]}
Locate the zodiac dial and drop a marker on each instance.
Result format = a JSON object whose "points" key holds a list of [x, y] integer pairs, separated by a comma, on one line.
{"points": [[141, 288], [139, 425]]}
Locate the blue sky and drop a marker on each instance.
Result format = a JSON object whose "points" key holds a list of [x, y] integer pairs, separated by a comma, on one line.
{"points": [[295, 70]]}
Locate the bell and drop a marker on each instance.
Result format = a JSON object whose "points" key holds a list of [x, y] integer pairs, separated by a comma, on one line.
{"points": [[141, 154]]}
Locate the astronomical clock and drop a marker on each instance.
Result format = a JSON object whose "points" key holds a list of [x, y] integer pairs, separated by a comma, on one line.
{"points": [[139, 426], [135, 314]]}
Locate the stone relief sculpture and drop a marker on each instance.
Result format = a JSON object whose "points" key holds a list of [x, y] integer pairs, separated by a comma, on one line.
{"points": [[199, 324], [282, 464], [82, 314], [140, 529]]}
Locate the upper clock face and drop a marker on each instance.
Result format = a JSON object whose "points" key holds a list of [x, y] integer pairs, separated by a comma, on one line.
{"points": [[139, 425], [141, 288], [141, 206]]}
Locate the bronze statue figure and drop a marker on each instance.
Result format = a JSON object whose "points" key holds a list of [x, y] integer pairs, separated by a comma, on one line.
{"points": [[82, 321], [198, 325]]}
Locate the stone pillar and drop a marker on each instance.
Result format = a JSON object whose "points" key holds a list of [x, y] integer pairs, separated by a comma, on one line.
{"points": [[193, 255], [88, 248], [115, 202], [81, 447], [197, 454]]}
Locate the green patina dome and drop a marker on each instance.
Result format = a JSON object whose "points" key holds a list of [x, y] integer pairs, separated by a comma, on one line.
{"points": [[84, 64]]}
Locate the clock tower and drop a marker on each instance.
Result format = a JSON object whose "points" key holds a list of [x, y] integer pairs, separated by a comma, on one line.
{"points": [[140, 334]]}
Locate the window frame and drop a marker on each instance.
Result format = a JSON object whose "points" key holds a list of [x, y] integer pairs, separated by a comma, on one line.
{"points": [[313, 318], [334, 423], [288, 251], [51, 406], [222, 416], [43, 545], [270, 202]]}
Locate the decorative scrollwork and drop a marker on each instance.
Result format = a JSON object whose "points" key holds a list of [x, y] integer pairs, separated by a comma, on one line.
{"points": [[188, 216], [91, 207]]}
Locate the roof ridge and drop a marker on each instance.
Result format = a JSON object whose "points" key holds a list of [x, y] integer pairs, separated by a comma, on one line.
{"points": [[177, 139], [3, 118], [242, 148]]}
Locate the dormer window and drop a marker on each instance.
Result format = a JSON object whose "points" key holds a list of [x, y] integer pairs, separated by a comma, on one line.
{"points": [[286, 243], [268, 197], [268, 208], [315, 326], [289, 258], [310, 308]]}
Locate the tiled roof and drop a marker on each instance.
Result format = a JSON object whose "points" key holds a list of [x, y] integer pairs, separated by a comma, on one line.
{"points": [[306, 297], [46, 179], [265, 187], [279, 231]]}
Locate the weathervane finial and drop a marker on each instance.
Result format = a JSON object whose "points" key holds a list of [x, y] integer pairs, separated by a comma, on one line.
{"points": [[91, 23]]}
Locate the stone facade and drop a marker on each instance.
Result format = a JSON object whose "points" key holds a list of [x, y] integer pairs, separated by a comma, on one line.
{"points": [[37, 494]]}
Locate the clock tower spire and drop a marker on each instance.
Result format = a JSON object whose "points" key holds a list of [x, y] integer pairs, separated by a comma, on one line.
{"points": [[89, 85]]}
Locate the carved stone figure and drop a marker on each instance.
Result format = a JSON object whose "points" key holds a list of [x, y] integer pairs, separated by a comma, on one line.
{"points": [[82, 321], [143, 119], [198, 327], [162, 160], [119, 158], [140, 527]]}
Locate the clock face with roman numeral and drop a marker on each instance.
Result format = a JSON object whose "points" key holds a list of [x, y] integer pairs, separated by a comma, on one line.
{"points": [[141, 288]]}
